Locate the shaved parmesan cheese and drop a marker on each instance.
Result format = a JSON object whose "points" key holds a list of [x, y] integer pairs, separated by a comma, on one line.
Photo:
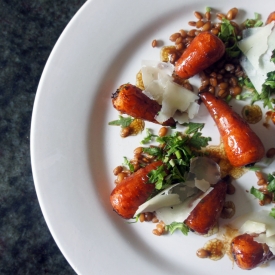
{"points": [[270, 241], [193, 109], [155, 91], [260, 217], [175, 98], [151, 70], [178, 193], [202, 184], [204, 169], [163, 199], [181, 117], [180, 212], [257, 47], [251, 227], [256, 76], [176, 101]]}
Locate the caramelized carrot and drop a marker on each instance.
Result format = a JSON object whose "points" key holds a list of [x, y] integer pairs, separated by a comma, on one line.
{"points": [[133, 191], [130, 100], [248, 253], [270, 18], [204, 50], [205, 215], [241, 144]]}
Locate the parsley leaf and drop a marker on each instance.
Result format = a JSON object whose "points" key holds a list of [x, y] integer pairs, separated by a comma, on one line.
{"points": [[122, 121], [272, 213], [271, 183], [255, 192], [198, 141], [129, 164], [153, 151], [193, 127], [177, 226], [157, 177], [253, 23], [228, 36], [149, 136]]}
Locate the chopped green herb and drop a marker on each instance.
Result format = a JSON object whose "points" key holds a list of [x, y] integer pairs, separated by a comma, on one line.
{"points": [[176, 152], [193, 127], [230, 39], [272, 213], [198, 141], [149, 136], [271, 183], [177, 226], [157, 177], [129, 164], [258, 194], [122, 121], [153, 151], [253, 23]]}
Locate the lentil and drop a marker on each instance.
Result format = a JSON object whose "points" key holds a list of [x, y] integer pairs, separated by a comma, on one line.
{"points": [[125, 132], [117, 170], [206, 27], [203, 253], [141, 217], [199, 24], [198, 15], [208, 16], [192, 23], [174, 36], [154, 43], [232, 13], [163, 131], [120, 177]]}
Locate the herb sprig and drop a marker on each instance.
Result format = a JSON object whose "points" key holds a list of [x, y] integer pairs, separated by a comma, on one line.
{"points": [[176, 152]]}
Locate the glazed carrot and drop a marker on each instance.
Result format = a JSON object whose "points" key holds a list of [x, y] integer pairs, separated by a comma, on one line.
{"points": [[205, 215], [204, 50], [130, 100], [133, 191], [248, 253], [270, 18], [242, 146]]}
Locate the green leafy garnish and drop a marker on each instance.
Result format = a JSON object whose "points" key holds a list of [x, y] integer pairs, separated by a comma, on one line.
{"points": [[176, 152], [253, 23], [271, 183], [177, 226], [193, 127], [230, 39], [256, 193], [268, 90], [129, 164], [122, 121], [153, 151], [149, 137], [157, 177], [272, 213]]}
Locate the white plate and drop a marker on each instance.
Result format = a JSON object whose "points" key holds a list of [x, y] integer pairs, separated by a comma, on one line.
{"points": [[74, 151]]}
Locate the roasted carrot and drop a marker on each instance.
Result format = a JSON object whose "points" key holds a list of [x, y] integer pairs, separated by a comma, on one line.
{"points": [[207, 212], [270, 18], [242, 146], [133, 191], [130, 100], [204, 50], [248, 253]]}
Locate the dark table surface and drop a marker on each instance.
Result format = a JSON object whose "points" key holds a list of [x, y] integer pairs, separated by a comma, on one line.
{"points": [[28, 32]]}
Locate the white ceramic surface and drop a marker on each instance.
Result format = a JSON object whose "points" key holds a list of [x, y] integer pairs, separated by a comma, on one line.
{"points": [[74, 151]]}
